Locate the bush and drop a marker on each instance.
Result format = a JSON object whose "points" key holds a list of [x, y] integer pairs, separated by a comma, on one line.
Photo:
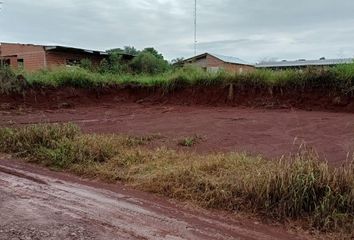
{"points": [[86, 64], [148, 63], [9, 82], [114, 64]]}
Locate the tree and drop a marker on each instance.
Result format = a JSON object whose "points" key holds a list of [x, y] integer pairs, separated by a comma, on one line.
{"points": [[115, 50], [126, 50], [114, 64], [154, 52], [131, 50], [146, 62]]}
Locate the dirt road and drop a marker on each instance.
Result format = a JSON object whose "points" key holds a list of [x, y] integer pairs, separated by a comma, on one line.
{"points": [[36, 203], [257, 131]]}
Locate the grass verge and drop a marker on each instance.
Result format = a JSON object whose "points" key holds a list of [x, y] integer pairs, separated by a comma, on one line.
{"points": [[302, 189], [336, 80]]}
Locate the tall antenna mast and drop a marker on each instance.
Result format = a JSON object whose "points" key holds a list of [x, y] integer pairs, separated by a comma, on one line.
{"points": [[195, 28]]}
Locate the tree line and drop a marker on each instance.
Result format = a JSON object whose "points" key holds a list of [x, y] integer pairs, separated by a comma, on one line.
{"points": [[146, 61]]}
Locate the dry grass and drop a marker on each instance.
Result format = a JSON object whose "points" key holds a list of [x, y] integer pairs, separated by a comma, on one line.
{"points": [[302, 189]]}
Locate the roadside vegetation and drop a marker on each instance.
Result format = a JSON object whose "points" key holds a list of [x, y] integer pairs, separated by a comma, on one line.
{"points": [[150, 69], [302, 188], [339, 78], [190, 141], [10, 82]]}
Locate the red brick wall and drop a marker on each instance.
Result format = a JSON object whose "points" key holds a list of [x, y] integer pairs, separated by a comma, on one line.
{"points": [[214, 62], [33, 56], [55, 59], [210, 62], [229, 67], [36, 58], [236, 68]]}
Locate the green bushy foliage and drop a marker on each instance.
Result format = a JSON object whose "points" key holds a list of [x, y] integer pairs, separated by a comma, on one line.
{"points": [[148, 63], [86, 64], [10, 82]]}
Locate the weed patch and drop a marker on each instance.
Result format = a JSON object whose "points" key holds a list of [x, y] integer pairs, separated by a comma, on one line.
{"points": [[190, 141], [339, 79], [302, 188], [10, 82]]}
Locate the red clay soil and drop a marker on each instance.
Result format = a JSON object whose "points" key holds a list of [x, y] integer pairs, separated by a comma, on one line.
{"points": [[61, 206], [271, 132], [269, 98]]}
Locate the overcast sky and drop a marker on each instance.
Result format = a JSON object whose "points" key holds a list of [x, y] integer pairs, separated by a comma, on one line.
{"points": [[251, 30]]}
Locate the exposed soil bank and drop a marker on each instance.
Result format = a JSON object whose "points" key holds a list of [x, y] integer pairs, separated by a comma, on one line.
{"points": [[311, 99]]}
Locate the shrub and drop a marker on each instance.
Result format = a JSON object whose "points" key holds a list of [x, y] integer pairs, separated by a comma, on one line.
{"points": [[148, 63], [86, 64], [9, 82]]}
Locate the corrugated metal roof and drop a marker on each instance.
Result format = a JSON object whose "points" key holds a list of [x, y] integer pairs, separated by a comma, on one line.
{"points": [[304, 63], [229, 59], [223, 58], [50, 48]]}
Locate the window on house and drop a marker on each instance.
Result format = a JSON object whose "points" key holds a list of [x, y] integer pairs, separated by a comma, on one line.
{"points": [[72, 62], [20, 63]]}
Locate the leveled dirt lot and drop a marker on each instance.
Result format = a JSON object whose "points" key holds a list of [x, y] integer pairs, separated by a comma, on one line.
{"points": [[271, 133]]}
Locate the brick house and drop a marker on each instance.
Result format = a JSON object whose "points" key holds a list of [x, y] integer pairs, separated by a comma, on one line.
{"points": [[35, 57], [214, 62]]}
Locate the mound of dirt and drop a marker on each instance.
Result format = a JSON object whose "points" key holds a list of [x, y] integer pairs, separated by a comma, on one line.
{"points": [[311, 99]]}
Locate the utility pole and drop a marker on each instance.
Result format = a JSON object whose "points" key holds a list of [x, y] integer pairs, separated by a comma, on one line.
{"points": [[195, 28]]}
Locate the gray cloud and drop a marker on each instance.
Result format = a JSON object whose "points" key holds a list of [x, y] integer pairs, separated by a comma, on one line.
{"points": [[251, 30]]}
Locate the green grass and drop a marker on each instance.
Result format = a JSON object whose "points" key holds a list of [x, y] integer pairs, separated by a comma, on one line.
{"points": [[339, 79], [190, 141], [301, 189], [10, 82], [81, 78]]}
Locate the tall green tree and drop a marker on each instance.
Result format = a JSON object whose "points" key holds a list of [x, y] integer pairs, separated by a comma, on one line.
{"points": [[154, 52], [127, 50], [148, 63]]}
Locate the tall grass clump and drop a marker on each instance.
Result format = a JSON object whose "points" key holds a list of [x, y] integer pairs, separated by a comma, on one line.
{"points": [[344, 78], [10, 82], [62, 146], [71, 77], [301, 188]]}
